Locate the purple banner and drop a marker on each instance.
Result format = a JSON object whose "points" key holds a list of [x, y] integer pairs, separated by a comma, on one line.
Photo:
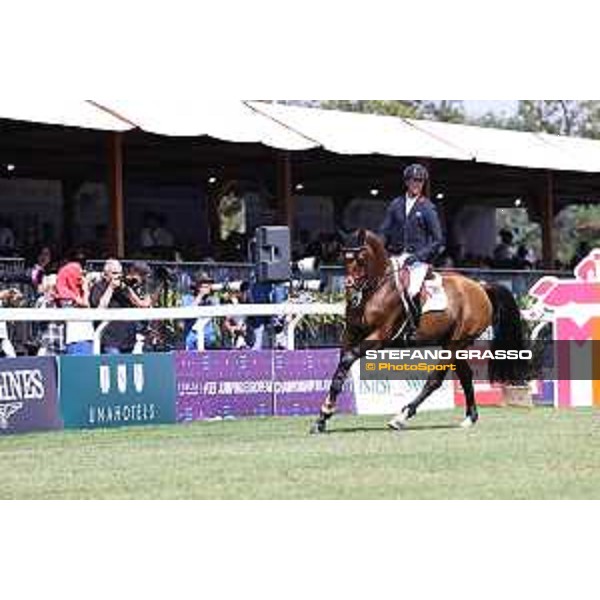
{"points": [[543, 393], [28, 395], [223, 383], [230, 383], [302, 380]]}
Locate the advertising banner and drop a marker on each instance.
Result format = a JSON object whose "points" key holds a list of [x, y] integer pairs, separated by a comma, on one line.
{"points": [[302, 380], [224, 383], [28, 395], [116, 391], [542, 392], [389, 396], [231, 384], [573, 306]]}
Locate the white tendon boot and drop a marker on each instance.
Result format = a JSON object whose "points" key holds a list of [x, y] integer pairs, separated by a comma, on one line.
{"points": [[467, 423], [400, 421]]}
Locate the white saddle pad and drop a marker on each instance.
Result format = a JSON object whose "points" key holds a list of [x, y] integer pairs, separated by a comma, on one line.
{"points": [[437, 299]]}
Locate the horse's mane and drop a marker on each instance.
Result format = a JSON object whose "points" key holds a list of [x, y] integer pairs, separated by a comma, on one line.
{"points": [[376, 243], [365, 237]]}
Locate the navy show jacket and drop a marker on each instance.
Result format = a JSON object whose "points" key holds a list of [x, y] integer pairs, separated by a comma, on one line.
{"points": [[419, 233]]}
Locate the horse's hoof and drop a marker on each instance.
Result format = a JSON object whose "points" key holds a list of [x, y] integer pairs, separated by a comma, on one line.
{"points": [[396, 425], [318, 427], [468, 423], [399, 422]]}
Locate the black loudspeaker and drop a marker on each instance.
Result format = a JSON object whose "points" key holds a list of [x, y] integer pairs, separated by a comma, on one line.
{"points": [[272, 254]]}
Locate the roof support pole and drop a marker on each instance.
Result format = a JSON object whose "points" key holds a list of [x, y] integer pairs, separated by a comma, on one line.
{"points": [[426, 162], [285, 197], [214, 222], [547, 213], [116, 196], [70, 188]]}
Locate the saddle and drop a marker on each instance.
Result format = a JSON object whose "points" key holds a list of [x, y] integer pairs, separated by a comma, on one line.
{"points": [[430, 297], [433, 295]]}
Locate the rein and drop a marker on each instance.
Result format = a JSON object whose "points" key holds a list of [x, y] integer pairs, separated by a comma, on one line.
{"points": [[360, 291], [366, 286]]}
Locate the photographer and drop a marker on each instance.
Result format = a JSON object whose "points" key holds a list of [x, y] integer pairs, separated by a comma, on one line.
{"points": [[115, 291], [8, 298], [72, 291], [202, 295], [137, 281], [235, 331]]}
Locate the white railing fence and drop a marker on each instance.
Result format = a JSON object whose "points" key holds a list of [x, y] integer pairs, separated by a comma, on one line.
{"points": [[202, 315]]}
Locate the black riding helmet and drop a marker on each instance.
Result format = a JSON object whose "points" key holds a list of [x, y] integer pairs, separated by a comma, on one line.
{"points": [[416, 171]]}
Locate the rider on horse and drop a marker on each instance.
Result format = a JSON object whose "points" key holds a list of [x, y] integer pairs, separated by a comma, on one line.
{"points": [[412, 230]]}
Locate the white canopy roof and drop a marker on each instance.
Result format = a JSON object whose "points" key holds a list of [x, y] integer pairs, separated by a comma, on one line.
{"points": [[507, 147], [357, 133], [228, 120], [584, 152], [299, 128], [70, 113], [353, 133]]}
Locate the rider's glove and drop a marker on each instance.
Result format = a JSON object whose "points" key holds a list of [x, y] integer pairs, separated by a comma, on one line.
{"points": [[411, 259]]}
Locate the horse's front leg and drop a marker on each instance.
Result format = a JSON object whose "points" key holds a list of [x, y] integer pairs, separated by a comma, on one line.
{"points": [[348, 357], [434, 382]]}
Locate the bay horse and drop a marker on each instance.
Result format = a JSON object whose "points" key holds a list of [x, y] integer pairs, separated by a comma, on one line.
{"points": [[375, 312]]}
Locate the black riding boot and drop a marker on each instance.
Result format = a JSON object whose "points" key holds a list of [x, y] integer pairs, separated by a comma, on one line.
{"points": [[413, 318]]}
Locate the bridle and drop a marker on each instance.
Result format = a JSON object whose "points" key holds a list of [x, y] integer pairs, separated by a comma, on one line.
{"points": [[365, 285]]}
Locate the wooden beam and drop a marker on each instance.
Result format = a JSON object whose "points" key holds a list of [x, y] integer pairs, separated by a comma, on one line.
{"points": [[214, 222], [428, 164], [116, 197], [547, 213], [285, 197], [70, 188]]}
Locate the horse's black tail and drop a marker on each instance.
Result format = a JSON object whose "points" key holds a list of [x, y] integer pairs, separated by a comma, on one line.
{"points": [[508, 335]]}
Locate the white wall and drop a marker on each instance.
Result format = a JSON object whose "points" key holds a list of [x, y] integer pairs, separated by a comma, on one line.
{"points": [[32, 203], [365, 213], [315, 215], [474, 227]]}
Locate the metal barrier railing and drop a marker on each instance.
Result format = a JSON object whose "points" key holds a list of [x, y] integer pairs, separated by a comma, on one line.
{"points": [[518, 281], [318, 331], [14, 274], [11, 264], [332, 276], [180, 274]]}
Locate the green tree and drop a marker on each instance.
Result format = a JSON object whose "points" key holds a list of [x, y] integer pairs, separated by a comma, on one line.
{"points": [[396, 108], [437, 110], [525, 231], [451, 111], [558, 117], [574, 224]]}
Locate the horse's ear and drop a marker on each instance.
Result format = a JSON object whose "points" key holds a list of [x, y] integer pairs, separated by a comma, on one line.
{"points": [[345, 237], [362, 237]]}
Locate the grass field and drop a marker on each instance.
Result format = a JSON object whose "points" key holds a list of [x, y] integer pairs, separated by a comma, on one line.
{"points": [[512, 453]]}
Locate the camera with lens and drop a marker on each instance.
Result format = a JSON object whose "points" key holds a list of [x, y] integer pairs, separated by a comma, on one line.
{"points": [[230, 286], [128, 282], [307, 285], [165, 275], [307, 268]]}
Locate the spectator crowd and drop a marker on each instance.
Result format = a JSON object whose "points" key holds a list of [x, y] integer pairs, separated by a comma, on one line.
{"points": [[69, 284], [53, 283]]}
